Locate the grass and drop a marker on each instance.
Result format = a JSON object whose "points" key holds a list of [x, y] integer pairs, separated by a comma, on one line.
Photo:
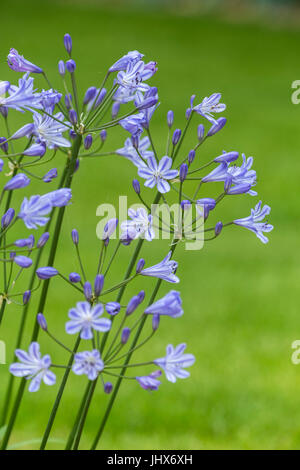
{"points": [[240, 297]]}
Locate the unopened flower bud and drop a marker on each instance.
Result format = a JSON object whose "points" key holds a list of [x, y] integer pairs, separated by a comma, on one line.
{"points": [[75, 236], [125, 335], [98, 286], [26, 297], [218, 228], [73, 116], [155, 321], [68, 101], [108, 386], [90, 94], [185, 204], [42, 321], [4, 144], [217, 126], [191, 156], [61, 68], [200, 132], [71, 65], [43, 240], [133, 305], [140, 265], [68, 43], [115, 109], [87, 289], [74, 278], [113, 308], [176, 136], [46, 272], [141, 295], [88, 141], [170, 118], [136, 186], [103, 135], [7, 218], [109, 228], [183, 172]]}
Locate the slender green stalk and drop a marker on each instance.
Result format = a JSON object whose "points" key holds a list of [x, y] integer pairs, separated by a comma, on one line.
{"points": [[78, 418], [59, 396], [84, 414], [68, 181]]}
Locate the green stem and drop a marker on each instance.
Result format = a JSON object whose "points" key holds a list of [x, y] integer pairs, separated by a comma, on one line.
{"points": [[84, 413], [78, 418]]}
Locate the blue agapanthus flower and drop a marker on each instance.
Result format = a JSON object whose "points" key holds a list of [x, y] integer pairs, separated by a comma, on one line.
{"points": [[157, 174], [129, 151], [85, 318], [175, 361], [139, 225], [132, 57], [209, 106], [254, 221], [22, 96], [33, 367], [150, 382], [19, 64], [48, 130], [165, 270], [88, 363], [170, 305]]}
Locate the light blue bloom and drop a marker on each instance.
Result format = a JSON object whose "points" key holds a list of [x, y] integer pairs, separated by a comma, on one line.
{"points": [[157, 174], [174, 362], [33, 367], [254, 221], [19, 64], [165, 270], [34, 210], [128, 151], [209, 106], [134, 124], [85, 318], [88, 363], [150, 382], [132, 79], [22, 96], [48, 130], [132, 57], [139, 225], [170, 305]]}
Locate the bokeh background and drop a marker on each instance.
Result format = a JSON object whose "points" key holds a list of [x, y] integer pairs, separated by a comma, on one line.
{"points": [[240, 298]]}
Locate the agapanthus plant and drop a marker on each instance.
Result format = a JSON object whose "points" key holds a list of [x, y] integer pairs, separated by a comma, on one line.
{"points": [[109, 319]]}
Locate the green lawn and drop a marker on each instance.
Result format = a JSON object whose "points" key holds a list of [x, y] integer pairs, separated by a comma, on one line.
{"points": [[240, 297]]}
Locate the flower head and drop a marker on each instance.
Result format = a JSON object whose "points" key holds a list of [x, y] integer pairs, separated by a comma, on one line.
{"points": [[132, 79], [88, 363], [175, 361], [170, 305], [157, 174], [165, 270], [254, 221], [130, 58], [85, 319], [33, 367]]}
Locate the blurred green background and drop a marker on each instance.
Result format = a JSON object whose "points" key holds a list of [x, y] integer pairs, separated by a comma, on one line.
{"points": [[240, 297]]}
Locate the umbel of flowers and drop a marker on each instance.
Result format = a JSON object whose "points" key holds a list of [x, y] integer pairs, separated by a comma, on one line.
{"points": [[109, 329]]}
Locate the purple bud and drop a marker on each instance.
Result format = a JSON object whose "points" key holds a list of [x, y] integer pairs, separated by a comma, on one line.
{"points": [[90, 94], [3, 144], [188, 113], [113, 308], [61, 68], [17, 182], [155, 321], [109, 228], [183, 172], [75, 236], [217, 126], [7, 218], [185, 204], [71, 65], [26, 297], [200, 132], [133, 305], [68, 43], [227, 157], [52, 174], [191, 156], [68, 101], [23, 261], [88, 292], [98, 285], [136, 186], [239, 189], [135, 141], [140, 265], [115, 109], [103, 135], [170, 119], [73, 116], [77, 165], [125, 335], [42, 321], [108, 386], [227, 183], [100, 97], [74, 277], [72, 134], [35, 150], [176, 136], [88, 142], [46, 273], [141, 296], [218, 228], [43, 240]]}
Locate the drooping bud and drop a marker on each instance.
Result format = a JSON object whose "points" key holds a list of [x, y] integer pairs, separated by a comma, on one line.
{"points": [[23, 131], [68, 43], [74, 278], [141, 296], [23, 261], [98, 286], [88, 142], [140, 265], [176, 136], [46, 273], [42, 321], [155, 321], [125, 335]]}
